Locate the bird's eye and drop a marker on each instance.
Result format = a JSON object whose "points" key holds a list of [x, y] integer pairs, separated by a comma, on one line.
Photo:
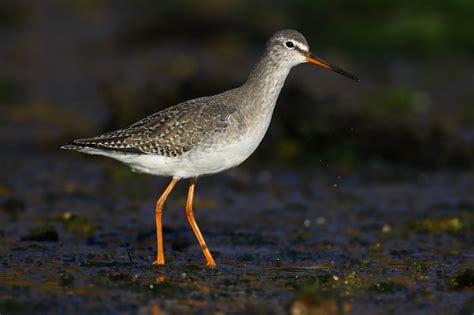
{"points": [[289, 44]]}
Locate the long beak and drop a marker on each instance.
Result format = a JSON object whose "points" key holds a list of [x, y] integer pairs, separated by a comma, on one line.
{"points": [[329, 66]]}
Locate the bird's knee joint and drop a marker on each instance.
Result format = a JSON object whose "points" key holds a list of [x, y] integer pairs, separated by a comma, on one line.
{"points": [[158, 209]]}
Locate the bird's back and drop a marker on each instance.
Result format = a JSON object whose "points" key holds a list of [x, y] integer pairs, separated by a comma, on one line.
{"points": [[170, 132]]}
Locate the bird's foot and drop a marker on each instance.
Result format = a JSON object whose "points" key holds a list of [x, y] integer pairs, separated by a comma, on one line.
{"points": [[158, 262], [211, 264]]}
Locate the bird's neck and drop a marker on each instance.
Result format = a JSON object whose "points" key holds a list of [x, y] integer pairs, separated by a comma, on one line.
{"points": [[265, 83]]}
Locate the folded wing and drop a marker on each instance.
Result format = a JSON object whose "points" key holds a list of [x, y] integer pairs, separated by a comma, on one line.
{"points": [[171, 132]]}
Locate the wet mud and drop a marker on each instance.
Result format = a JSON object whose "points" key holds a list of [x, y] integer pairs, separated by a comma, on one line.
{"points": [[77, 236]]}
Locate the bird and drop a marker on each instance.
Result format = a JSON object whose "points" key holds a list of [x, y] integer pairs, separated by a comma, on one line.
{"points": [[206, 135]]}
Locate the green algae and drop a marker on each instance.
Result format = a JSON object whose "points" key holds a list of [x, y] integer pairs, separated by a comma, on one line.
{"points": [[76, 224], [453, 224], [418, 267], [283, 265]]}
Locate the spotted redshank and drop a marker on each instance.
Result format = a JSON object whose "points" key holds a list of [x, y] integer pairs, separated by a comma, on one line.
{"points": [[208, 134]]}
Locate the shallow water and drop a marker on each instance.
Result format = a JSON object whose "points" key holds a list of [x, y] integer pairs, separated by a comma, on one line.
{"points": [[77, 236]]}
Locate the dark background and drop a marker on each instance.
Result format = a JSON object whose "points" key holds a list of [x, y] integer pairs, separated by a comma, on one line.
{"points": [[360, 199], [77, 68]]}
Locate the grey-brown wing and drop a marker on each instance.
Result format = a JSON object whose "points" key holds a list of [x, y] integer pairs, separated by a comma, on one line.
{"points": [[170, 132]]}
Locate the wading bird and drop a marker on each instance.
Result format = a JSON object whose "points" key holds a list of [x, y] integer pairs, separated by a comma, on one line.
{"points": [[209, 134]]}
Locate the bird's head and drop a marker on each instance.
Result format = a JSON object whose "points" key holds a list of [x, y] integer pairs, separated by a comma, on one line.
{"points": [[291, 48]]}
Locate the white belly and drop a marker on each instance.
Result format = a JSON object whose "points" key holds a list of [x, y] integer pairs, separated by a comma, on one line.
{"points": [[208, 160]]}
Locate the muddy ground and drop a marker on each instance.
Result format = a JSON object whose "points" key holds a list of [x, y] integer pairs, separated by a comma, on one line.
{"points": [[77, 236]]}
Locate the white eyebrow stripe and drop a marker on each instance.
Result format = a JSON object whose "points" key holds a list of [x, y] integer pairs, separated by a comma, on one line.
{"points": [[300, 45]]}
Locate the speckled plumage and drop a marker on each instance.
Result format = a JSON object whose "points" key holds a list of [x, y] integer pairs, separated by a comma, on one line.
{"points": [[208, 134], [170, 133]]}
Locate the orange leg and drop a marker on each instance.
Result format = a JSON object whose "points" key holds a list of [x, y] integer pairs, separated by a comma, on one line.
{"points": [[160, 257], [190, 215]]}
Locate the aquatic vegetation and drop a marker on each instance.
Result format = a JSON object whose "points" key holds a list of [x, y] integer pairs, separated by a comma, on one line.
{"points": [[458, 224], [76, 224], [356, 255]]}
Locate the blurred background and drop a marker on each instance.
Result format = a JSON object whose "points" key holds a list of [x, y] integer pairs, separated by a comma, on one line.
{"points": [[76, 68], [359, 200]]}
